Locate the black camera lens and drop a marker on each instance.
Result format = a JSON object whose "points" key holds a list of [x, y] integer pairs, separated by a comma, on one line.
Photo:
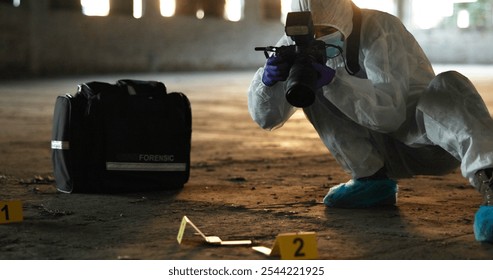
{"points": [[300, 96], [301, 85]]}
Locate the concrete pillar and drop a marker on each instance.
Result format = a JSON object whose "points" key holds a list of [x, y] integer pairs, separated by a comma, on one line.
{"points": [[252, 10], [186, 7], [271, 9], [122, 7], [213, 8], [404, 11], [151, 8], [38, 12], [64, 4]]}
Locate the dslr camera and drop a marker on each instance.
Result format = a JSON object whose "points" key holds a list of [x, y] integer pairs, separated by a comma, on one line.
{"points": [[302, 79]]}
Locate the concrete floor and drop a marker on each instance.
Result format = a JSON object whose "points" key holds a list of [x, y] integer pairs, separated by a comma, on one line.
{"points": [[245, 184]]}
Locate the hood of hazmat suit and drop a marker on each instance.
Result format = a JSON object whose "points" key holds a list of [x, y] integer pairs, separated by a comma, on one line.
{"points": [[337, 14]]}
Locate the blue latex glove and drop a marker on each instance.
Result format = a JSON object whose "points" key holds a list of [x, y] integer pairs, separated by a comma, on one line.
{"points": [[326, 74], [483, 224], [276, 69], [362, 194]]}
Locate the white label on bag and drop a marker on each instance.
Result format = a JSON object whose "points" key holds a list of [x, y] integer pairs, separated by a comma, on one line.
{"points": [[141, 166], [60, 145]]}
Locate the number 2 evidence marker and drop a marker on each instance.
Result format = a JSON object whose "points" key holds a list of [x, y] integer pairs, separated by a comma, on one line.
{"points": [[292, 246]]}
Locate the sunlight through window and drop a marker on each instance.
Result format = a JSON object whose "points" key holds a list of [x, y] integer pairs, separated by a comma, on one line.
{"points": [[95, 7], [285, 9], [463, 19], [168, 7], [234, 10], [137, 9], [429, 14]]}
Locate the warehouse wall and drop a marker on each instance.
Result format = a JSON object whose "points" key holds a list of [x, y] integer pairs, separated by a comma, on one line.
{"points": [[37, 40]]}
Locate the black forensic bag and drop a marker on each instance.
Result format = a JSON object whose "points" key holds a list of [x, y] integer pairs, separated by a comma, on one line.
{"points": [[128, 136]]}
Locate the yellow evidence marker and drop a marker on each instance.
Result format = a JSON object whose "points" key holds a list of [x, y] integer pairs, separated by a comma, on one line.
{"points": [[11, 212], [292, 246], [209, 239]]}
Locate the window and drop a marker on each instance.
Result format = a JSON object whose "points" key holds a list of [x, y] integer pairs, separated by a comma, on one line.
{"points": [[95, 7], [138, 9], [234, 10], [463, 19], [452, 14], [167, 7], [429, 14]]}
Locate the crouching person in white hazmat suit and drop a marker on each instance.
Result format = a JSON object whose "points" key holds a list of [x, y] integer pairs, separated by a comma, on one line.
{"points": [[390, 116]]}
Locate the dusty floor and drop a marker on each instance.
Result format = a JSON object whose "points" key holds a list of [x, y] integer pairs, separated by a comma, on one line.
{"points": [[245, 183]]}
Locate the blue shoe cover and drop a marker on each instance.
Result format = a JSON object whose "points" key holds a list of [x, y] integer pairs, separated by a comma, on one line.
{"points": [[483, 224], [362, 194]]}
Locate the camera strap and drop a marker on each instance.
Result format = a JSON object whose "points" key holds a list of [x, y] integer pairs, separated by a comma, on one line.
{"points": [[352, 51]]}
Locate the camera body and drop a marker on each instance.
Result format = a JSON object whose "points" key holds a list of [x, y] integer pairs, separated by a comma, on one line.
{"points": [[302, 79]]}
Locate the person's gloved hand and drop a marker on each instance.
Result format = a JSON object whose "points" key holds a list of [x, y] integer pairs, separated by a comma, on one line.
{"points": [[325, 74], [276, 69]]}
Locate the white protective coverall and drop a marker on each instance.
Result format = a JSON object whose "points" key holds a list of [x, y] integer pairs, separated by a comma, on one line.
{"points": [[395, 112]]}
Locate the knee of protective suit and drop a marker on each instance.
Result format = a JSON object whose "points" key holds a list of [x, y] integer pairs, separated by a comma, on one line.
{"points": [[452, 91], [450, 80]]}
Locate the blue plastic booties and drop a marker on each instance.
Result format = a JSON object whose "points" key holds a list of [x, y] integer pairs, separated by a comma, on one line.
{"points": [[483, 224], [362, 194]]}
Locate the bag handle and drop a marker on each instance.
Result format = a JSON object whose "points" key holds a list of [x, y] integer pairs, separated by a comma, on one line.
{"points": [[138, 87]]}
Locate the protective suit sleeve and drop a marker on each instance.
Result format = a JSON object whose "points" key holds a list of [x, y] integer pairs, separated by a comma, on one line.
{"points": [[267, 105], [378, 102]]}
